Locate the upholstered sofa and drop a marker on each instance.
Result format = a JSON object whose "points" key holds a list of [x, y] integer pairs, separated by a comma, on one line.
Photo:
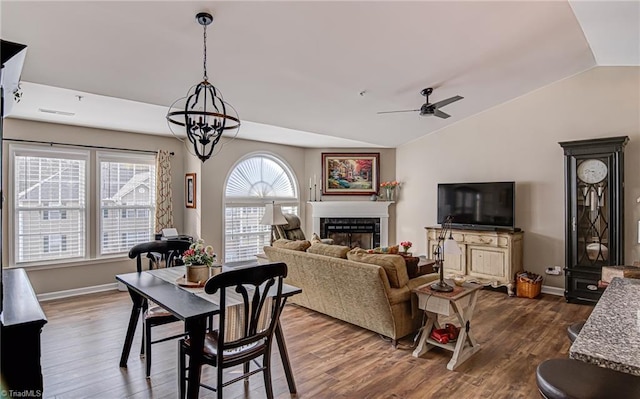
{"points": [[370, 291]]}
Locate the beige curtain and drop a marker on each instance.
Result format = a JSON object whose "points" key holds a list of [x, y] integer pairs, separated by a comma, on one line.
{"points": [[164, 206]]}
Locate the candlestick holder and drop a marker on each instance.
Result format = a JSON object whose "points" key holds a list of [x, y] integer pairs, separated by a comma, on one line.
{"points": [[310, 199], [315, 192]]}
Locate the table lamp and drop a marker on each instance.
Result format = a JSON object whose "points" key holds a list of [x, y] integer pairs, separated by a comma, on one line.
{"points": [[273, 216], [446, 245]]}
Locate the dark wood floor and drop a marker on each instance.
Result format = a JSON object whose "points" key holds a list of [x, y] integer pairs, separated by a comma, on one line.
{"points": [[81, 347]]}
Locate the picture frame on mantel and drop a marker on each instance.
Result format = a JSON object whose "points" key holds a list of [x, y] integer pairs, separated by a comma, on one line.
{"points": [[190, 190], [350, 173]]}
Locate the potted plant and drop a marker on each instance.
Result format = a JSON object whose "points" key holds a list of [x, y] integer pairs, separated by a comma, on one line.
{"points": [[198, 259], [406, 245]]}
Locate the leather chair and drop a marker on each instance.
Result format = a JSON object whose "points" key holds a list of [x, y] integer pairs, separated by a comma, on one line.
{"points": [[160, 253], [574, 379], [293, 231], [233, 342]]}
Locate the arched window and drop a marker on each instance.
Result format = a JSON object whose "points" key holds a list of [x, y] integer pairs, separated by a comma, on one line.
{"points": [[254, 182]]}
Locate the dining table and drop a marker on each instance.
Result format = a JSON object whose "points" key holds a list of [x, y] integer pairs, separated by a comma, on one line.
{"points": [[192, 306], [610, 337]]}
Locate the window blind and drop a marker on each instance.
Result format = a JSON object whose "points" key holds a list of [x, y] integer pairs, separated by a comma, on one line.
{"points": [[127, 201], [254, 182], [49, 204]]}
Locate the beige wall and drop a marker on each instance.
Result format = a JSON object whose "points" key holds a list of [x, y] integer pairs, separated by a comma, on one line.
{"points": [[313, 167], [204, 221], [192, 216], [518, 141], [304, 163], [91, 272], [515, 141]]}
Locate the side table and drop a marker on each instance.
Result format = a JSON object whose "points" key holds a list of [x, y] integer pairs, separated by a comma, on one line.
{"points": [[418, 266], [461, 302]]}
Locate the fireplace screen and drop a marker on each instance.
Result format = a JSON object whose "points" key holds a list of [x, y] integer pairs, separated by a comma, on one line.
{"points": [[352, 232]]}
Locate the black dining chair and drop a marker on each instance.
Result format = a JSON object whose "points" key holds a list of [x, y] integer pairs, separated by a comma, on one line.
{"points": [[160, 254], [250, 300]]}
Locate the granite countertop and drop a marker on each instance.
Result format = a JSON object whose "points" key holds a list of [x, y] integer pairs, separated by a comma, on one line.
{"points": [[611, 336]]}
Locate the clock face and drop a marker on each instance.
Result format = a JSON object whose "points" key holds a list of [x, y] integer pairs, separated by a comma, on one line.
{"points": [[592, 171]]}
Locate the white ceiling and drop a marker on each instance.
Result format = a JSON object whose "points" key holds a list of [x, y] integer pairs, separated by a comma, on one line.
{"points": [[304, 73]]}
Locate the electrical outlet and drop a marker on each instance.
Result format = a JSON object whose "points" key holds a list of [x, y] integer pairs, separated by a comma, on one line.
{"points": [[554, 271]]}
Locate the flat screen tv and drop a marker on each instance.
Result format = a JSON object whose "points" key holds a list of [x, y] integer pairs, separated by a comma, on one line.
{"points": [[489, 206]]}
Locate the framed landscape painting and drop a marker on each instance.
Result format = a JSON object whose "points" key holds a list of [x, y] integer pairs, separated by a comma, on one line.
{"points": [[350, 173]]}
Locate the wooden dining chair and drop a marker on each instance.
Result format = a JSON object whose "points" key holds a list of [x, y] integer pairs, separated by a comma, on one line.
{"points": [[160, 254], [250, 300]]}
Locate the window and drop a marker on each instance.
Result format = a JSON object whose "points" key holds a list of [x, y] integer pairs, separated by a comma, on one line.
{"points": [[49, 204], [55, 214], [127, 201], [254, 182], [54, 243]]}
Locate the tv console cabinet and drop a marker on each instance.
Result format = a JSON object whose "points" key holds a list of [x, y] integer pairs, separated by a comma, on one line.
{"points": [[488, 257]]}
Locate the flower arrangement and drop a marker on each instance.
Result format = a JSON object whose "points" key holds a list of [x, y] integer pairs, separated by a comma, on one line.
{"points": [[390, 184], [406, 245], [390, 189], [199, 254]]}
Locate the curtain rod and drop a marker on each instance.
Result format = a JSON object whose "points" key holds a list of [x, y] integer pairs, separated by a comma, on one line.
{"points": [[52, 143]]}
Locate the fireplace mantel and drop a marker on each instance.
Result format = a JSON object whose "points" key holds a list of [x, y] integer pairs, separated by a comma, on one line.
{"points": [[353, 209]]}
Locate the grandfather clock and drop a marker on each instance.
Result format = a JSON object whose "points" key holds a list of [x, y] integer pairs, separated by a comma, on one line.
{"points": [[594, 211]]}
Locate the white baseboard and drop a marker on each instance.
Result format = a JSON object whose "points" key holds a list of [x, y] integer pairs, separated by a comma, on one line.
{"points": [[48, 296], [552, 290]]}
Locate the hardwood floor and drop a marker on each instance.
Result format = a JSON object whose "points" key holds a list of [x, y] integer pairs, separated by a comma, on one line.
{"points": [[82, 342]]}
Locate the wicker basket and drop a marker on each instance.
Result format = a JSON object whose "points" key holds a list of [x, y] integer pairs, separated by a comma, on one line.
{"points": [[526, 288]]}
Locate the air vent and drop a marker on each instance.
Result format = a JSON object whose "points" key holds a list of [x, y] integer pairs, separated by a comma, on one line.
{"points": [[53, 111]]}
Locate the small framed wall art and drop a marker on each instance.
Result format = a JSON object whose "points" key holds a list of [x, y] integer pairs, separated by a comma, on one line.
{"points": [[190, 190], [350, 173]]}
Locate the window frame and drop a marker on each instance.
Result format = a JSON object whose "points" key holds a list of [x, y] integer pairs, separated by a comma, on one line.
{"points": [[16, 150], [123, 157], [254, 201]]}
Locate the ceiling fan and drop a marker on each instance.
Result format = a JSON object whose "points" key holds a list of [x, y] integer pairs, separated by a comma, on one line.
{"points": [[428, 109]]}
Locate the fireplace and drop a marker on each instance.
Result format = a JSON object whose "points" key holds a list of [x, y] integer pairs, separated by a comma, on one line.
{"points": [[371, 221], [352, 232]]}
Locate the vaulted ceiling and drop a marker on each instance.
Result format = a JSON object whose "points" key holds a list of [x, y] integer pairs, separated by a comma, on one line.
{"points": [[305, 73]]}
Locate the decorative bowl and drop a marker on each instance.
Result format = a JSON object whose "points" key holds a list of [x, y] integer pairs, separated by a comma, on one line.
{"points": [[458, 280], [597, 251]]}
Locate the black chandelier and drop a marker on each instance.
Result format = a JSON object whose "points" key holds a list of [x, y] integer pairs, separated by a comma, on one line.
{"points": [[204, 114]]}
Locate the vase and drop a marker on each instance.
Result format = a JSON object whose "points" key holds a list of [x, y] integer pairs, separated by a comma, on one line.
{"points": [[390, 193], [197, 273]]}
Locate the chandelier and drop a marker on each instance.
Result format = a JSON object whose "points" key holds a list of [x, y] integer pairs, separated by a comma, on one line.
{"points": [[204, 114]]}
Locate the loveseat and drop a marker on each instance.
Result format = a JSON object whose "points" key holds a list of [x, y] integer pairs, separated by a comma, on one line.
{"points": [[372, 291]]}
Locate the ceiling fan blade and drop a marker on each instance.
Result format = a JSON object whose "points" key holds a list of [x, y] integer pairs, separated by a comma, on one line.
{"points": [[391, 112], [441, 114], [446, 102]]}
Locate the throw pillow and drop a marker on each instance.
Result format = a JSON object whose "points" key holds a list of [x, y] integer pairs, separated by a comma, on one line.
{"points": [[315, 239], [294, 245], [335, 251], [384, 250], [393, 265]]}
